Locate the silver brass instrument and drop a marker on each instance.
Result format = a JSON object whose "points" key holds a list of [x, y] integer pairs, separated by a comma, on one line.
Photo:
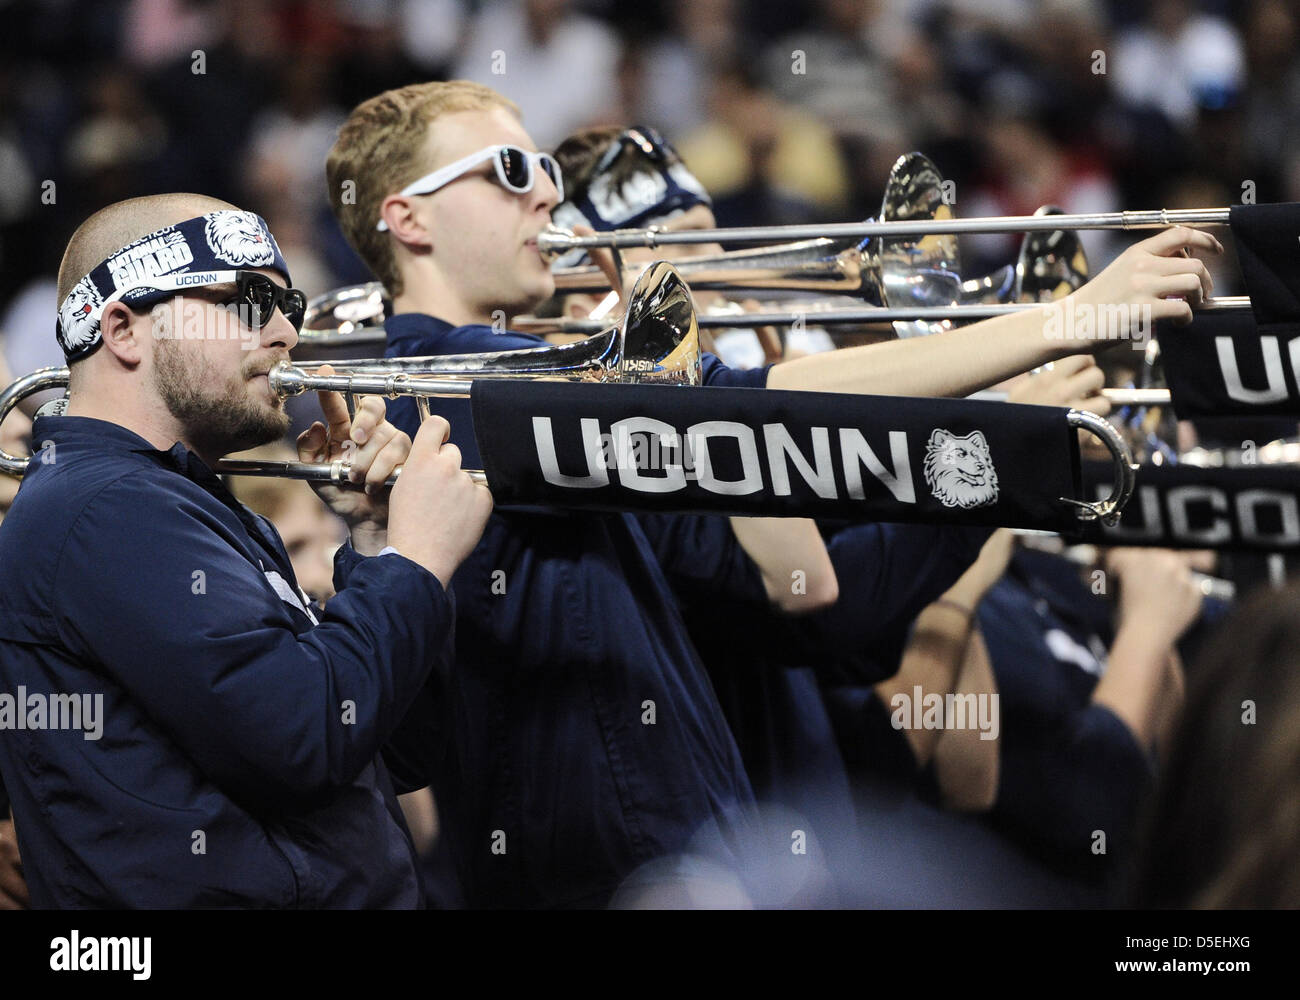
{"points": [[353, 314], [559, 241], [657, 341], [897, 270]]}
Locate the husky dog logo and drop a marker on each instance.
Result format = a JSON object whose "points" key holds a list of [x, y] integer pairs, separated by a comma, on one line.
{"points": [[959, 470], [78, 325], [238, 238]]}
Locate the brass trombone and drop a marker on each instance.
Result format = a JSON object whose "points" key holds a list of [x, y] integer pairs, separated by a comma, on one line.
{"points": [[558, 241], [353, 314], [891, 271], [841, 266], [657, 341]]}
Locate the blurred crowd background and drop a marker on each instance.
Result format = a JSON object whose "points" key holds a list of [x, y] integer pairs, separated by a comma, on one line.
{"points": [[789, 112]]}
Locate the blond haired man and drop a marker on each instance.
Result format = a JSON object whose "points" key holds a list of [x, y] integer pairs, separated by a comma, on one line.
{"points": [[585, 738]]}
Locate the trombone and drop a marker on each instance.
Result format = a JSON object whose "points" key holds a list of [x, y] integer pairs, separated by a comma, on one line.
{"points": [[555, 240], [842, 265], [818, 314], [924, 272], [657, 341]]}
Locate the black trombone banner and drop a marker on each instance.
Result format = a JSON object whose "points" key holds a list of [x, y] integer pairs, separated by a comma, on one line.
{"points": [[763, 452], [1268, 250], [1245, 363], [1224, 364], [1190, 507]]}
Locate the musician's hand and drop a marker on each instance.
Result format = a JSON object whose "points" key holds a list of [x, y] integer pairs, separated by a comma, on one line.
{"points": [[1155, 273], [437, 512], [13, 887], [373, 447], [1157, 593], [1075, 381], [769, 337], [603, 258]]}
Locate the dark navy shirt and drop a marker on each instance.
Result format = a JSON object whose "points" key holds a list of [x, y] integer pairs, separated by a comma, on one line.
{"points": [[586, 738], [770, 669], [888, 574], [1067, 766], [239, 759]]}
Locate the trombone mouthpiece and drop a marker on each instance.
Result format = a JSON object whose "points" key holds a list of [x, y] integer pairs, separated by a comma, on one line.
{"points": [[286, 380], [553, 242]]}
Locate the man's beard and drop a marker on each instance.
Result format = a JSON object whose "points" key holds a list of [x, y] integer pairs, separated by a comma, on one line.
{"points": [[218, 417]]}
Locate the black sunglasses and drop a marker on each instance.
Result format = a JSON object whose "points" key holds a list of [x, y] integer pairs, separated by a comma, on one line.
{"points": [[257, 297]]}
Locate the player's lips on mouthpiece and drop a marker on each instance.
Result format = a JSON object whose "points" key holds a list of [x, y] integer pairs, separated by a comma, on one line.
{"points": [[263, 371]]}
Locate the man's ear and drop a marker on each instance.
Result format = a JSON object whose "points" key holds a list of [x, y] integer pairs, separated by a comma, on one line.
{"points": [[123, 332], [398, 212]]}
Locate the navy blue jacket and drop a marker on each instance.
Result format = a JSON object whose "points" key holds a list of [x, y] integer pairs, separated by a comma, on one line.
{"points": [[239, 761], [584, 736]]}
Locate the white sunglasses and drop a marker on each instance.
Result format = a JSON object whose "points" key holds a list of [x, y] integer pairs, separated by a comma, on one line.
{"points": [[514, 167]]}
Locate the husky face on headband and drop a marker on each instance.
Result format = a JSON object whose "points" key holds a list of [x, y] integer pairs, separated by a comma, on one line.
{"points": [[77, 318], [238, 238], [959, 470]]}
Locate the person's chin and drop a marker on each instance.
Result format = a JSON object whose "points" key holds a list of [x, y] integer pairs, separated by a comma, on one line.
{"points": [[268, 431], [542, 288]]}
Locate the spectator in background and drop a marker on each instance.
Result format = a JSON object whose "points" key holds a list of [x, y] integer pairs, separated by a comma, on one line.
{"points": [[1026, 166], [1272, 102], [430, 32], [156, 32], [763, 161], [14, 433], [665, 67], [289, 139], [1223, 830], [209, 99], [288, 142], [370, 46], [1179, 60], [840, 69], [111, 152], [24, 337], [559, 66]]}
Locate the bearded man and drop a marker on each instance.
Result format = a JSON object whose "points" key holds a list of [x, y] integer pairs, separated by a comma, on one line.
{"points": [[184, 731]]}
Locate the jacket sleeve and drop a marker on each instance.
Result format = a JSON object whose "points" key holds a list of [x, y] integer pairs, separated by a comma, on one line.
{"points": [[155, 591], [411, 753], [703, 560], [714, 371], [888, 573]]}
